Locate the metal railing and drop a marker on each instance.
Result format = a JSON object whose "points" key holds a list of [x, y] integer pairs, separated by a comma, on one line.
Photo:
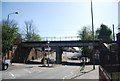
{"points": [[60, 38], [64, 38]]}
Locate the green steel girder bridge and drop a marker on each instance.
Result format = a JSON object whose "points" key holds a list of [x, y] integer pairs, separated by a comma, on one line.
{"points": [[57, 45], [70, 41], [73, 43]]}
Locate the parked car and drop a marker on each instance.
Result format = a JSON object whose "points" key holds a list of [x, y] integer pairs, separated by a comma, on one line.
{"points": [[74, 58], [5, 64]]}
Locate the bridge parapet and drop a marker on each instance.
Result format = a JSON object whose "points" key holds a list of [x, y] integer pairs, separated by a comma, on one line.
{"points": [[66, 38], [76, 43]]}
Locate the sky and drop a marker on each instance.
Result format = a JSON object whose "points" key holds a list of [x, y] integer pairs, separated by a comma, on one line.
{"points": [[61, 19]]}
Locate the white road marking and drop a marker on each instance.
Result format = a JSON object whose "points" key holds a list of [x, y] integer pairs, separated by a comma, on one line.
{"points": [[27, 70], [12, 75], [40, 71], [30, 70]]}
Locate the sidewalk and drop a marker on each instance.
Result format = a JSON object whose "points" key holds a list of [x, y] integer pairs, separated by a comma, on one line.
{"points": [[88, 73]]}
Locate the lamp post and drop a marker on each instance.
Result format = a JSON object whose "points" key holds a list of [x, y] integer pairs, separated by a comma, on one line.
{"points": [[9, 15], [8, 25], [48, 51], [93, 35]]}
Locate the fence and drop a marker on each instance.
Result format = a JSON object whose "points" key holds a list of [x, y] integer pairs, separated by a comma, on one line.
{"points": [[110, 62]]}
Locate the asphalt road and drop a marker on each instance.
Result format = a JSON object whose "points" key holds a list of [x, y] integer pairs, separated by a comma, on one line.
{"points": [[37, 71]]}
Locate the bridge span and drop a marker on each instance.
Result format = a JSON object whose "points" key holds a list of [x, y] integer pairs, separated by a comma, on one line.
{"points": [[75, 43], [25, 47]]}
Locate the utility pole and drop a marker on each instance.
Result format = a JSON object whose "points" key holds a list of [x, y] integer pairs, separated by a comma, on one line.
{"points": [[113, 33], [92, 35], [48, 52]]}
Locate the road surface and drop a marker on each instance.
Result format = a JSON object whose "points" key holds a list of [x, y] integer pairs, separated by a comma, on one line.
{"points": [[67, 70], [39, 72], [36, 71]]}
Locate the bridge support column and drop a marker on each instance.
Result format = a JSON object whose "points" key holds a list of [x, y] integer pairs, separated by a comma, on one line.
{"points": [[59, 55]]}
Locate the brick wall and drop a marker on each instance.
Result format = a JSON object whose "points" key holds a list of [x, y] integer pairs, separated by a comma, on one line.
{"points": [[19, 54]]}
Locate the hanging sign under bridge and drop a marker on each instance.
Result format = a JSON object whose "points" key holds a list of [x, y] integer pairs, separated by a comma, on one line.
{"points": [[90, 46]]}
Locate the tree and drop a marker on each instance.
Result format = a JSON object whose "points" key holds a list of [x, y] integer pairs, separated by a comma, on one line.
{"points": [[104, 33], [85, 34], [11, 23], [18, 38], [8, 37], [36, 37], [30, 34]]}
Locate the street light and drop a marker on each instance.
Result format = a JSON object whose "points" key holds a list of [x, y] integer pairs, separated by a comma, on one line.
{"points": [[48, 51], [93, 35], [8, 23], [9, 15]]}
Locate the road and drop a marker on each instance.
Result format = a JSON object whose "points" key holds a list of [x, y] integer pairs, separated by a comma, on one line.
{"points": [[69, 69], [37, 71]]}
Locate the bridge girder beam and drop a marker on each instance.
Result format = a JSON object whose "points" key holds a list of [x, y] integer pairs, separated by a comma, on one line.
{"points": [[59, 43]]}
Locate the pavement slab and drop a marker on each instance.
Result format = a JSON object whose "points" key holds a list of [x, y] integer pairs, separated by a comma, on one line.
{"points": [[88, 73]]}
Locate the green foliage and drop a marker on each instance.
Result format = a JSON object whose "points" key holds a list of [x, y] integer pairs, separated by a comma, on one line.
{"points": [[104, 33], [30, 32], [18, 38], [32, 37], [8, 36], [28, 37], [36, 37], [85, 34]]}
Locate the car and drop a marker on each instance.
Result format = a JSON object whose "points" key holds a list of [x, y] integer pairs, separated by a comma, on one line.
{"points": [[74, 58], [5, 64]]}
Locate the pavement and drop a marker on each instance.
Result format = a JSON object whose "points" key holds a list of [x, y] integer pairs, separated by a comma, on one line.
{"points": [[88, 73]]}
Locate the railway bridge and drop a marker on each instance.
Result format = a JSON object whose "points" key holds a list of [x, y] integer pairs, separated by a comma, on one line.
{"points": [[55, 45]]}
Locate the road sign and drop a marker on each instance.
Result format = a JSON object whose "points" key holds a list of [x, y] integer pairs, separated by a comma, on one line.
{"points": [[90, 46]]}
